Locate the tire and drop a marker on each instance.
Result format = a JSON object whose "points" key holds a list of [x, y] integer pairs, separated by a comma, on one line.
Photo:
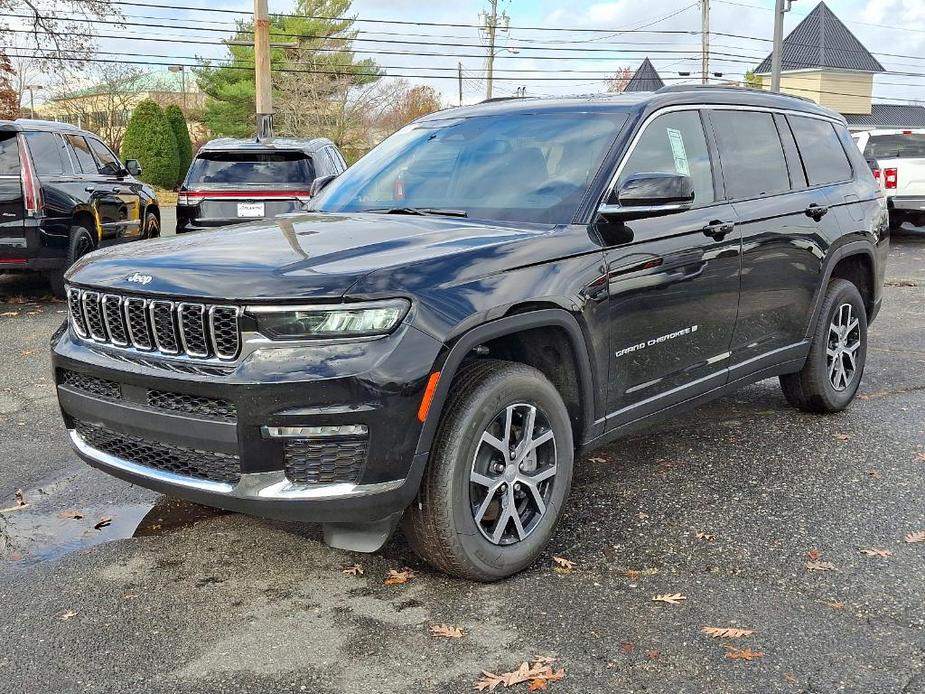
{"points": [[81, 243], [152, 228], [821, 386], [441, 523]]}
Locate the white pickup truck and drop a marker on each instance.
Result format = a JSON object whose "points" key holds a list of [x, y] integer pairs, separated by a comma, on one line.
{"points": [[897, 158]]}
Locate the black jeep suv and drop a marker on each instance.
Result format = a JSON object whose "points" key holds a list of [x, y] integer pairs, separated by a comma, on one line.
{"points": [[64, 193], [489, 290], [232, 181]]}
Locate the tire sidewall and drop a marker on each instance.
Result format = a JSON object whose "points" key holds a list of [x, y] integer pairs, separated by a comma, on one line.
{"points": [[842, 292], [73, 253], [152, 228], [459, 450]]}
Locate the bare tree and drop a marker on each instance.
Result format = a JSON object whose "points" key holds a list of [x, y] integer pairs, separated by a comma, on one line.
{"points": [[9, 103], [618, 81], [412, 102], [103, 106], [59, 31]]}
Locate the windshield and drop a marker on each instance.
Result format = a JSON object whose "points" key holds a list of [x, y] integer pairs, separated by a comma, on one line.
{"points": [[237, 168], [522, 167], [908, 146]]}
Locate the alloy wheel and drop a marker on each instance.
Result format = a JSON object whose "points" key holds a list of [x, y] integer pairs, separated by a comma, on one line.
{"points": [[841, 351], [513, 474]]}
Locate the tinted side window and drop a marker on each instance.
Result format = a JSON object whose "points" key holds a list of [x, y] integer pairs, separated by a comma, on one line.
{"points": [[9, 154], [674, 143], [84, 156], [824, 158], [109, 163], [751, 152], [48, 155]]}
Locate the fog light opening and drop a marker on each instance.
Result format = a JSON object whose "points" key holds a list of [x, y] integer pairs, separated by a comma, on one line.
{"points": [[315, 431]]}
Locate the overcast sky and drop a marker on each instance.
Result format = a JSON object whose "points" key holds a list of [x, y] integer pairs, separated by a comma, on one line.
{"points": [[540, 53]]}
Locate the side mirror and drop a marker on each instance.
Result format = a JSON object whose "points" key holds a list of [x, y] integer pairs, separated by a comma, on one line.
{"points": [[320, 183], [133, 167], [649, 195]]}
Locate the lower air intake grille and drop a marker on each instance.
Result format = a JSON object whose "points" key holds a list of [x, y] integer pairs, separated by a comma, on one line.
{"points": [[91, 384], [325, 461], [208, 408], [189, 462]]}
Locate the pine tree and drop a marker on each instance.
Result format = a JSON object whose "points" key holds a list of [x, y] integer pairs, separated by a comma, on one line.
{"points": [[184, 145], [150, 139]]}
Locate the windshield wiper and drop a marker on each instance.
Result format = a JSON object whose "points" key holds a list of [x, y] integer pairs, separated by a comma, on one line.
{"points": [[438, 211]]}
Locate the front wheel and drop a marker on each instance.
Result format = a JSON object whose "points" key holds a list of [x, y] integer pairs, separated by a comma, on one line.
{"points": [[79, 244], [830, 378], [152, 229], [499, 474]]}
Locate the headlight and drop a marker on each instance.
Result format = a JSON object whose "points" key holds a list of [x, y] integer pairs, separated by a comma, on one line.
{"points": [[343, 320]]}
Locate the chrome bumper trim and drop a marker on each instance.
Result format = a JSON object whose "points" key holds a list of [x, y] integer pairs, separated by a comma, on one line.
{"points": [[255, 486]]}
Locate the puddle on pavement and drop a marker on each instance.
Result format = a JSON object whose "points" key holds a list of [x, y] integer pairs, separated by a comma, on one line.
{"points": [[38, 532]]}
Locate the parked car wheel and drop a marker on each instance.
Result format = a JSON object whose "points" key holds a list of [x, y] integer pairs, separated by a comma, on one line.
{"points": [[152, 228], [499, 474], [830, 378], [80, 244]]}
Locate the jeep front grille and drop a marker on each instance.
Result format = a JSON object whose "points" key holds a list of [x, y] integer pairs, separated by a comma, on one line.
{"points": [[196, 330]]}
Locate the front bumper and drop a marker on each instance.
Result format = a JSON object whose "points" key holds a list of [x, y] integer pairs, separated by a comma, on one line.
{"points": [[378, 384]]}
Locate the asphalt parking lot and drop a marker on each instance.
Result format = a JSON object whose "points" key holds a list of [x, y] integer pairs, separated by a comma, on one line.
{"points": [[725, 506]]}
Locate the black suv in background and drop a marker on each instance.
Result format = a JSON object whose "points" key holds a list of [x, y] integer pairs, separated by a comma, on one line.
{"points": [[63, 193], [491, 289], [232, 181]]}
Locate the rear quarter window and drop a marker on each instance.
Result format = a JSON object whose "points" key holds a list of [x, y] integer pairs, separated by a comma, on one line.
{"points": [[752, 155], [9, 154], [48, 155], [231, 168], [824, 158]]}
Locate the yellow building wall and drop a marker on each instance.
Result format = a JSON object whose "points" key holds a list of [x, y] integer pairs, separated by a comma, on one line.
{"points": [[845, 92]]}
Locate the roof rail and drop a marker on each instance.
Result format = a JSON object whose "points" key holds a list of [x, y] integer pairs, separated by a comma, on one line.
{"points": [[727, 87], [39, 122]]}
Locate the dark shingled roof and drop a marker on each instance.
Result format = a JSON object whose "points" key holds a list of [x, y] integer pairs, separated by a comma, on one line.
{"points": [[822, 41], [645, 79], [889, 116]]}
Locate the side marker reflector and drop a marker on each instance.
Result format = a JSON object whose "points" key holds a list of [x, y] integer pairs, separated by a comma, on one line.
{"points": [[428, 396]]}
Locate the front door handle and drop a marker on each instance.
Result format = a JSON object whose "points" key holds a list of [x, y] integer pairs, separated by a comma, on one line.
{"points": [[717, 229], [816, 211]]}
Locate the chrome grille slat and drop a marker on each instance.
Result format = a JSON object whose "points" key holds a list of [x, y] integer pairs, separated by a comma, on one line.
{"points": [[157, 326], [114, 320]]}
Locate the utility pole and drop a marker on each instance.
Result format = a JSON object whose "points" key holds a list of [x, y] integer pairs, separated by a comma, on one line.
{"points": [[459, 76], [705, 38], [491, 23], [780, 7], [262, 70]]}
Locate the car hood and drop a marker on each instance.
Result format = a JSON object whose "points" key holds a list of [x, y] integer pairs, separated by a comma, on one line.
{"points": [[303, 256]]}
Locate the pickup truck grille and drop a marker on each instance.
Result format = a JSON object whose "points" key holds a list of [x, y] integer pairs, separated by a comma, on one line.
{"points": [[172, 328]]}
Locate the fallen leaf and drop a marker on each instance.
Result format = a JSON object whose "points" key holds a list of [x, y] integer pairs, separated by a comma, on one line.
{"points": [[27, 353], [835, 605], [670, 598], [842, 437], [920, 456], [652, 655], [71, 515], [814, 555], [706, 537], [396, 578], [917, 536], [874, 474], [748, 654], [489, 681], [639, 573], [820, 566], [68, 615], [540, 671], [537, 685], [446, 631], [790, 679], [643, 515], [9, 314], [727, 632], [20, 498], [103, 522], [562, 565], [597, 460], [876, 552], [628, 647], [355, 570]]}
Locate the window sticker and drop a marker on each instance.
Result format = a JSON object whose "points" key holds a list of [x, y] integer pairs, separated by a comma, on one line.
{"points": [[677, 150]]}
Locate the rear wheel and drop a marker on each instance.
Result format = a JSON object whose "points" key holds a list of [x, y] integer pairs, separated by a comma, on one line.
{"points": [[81, 243], [499, 474], [830, 378], [152, 229]]}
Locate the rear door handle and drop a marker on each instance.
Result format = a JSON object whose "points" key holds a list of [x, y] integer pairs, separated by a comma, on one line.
{"points": [[717, 229], [816, 211]]}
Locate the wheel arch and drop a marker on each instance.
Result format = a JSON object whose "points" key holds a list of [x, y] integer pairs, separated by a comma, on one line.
{"points": [[560, 328], [84, 217], [855, 262]]}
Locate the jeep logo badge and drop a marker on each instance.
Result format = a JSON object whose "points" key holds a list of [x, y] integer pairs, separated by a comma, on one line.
{"points": [[138, 278]]}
